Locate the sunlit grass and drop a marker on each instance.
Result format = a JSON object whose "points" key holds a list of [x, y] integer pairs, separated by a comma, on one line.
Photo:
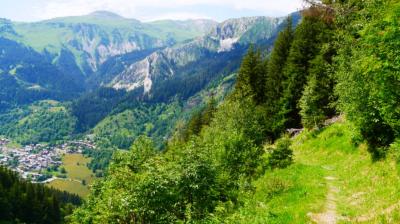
{"points": [[70, 186], [368, 192], [77, 173]]}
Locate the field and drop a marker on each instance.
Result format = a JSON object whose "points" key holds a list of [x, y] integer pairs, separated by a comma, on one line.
{"points": [[75, 164], [331, 181], [77, 172], [70, 186]]}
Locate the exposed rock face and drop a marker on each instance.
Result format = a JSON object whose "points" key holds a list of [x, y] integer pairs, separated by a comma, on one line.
{"points": [[105, 49], [97, 45], [137, 75], [165, 63], [97, 37]]}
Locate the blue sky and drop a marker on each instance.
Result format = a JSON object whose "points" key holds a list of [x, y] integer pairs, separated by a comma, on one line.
{"points": [[147, 10]]}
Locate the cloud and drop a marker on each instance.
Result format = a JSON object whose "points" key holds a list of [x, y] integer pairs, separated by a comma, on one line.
{"points": [[175, 16], [155, 9]]}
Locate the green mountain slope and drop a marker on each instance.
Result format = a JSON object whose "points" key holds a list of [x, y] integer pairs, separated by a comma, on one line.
{"points": [[96, 37], [227, 37], [236, 162], [27, 76], [43, 121]]}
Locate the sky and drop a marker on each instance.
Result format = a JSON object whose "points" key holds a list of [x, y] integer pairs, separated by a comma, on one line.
{"points": [[147, 10]]}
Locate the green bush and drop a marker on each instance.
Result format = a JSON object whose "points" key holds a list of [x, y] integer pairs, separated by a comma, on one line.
{"points": [[281, 156]]}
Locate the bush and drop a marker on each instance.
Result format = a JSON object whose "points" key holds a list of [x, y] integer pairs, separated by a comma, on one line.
{"points": [[281, 156], [276, 186]]}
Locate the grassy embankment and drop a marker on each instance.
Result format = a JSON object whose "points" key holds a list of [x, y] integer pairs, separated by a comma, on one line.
{"points": [[331, 181]]}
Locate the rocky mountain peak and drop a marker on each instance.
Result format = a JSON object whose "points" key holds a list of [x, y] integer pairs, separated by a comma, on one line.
{"points": [[234, 28]]}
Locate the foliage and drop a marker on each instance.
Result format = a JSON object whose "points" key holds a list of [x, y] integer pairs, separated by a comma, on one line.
{"points": [[251, 77], [197, 121], [44, 121], [212, 170], [281, 156], [120, 130], [368, 77], [317, 100], [290, 195], [276, 64], [187, 181], [22, 201], [309, 37]]}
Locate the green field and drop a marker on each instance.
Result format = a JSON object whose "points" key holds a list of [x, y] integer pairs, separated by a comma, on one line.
{"points": [[331, 179], [77, 171], [70, 186], [76, 167]]}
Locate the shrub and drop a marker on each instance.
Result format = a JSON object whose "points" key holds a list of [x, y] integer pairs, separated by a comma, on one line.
{"points": [[281, 156]]}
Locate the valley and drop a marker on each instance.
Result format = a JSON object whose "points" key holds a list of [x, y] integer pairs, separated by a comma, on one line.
{"points": [[63, 167], [289, 118]]}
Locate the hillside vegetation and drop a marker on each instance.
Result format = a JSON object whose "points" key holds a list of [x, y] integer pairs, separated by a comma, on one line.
{"points": [[25, 202], [234, 163], [330, 179]]}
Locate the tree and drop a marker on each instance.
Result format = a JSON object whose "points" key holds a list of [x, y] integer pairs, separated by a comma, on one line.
{"points": [[368, 78], [282, 155], [62, 170], [251, 78], [309, 37], [317, 101], [276, 64]]}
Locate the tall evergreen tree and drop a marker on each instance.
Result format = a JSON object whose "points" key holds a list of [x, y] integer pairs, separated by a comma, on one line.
{"points": [[318, 101], [309, 36], [276, 64], [25, 202], [251, 77]]}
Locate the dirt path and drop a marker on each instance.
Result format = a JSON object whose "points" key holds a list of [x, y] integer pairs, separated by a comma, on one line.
{"points": [[329, 216]]}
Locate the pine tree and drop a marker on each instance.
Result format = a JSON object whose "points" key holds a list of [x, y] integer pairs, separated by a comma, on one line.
{"points": [[318, 99], [276, 63], [209, 111], [251, 77], [309, 36]]}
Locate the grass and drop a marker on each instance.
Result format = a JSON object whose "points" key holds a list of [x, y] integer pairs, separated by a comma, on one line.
{"points": [[76, 167], [77, 171], [368, 192], [70, 186]]}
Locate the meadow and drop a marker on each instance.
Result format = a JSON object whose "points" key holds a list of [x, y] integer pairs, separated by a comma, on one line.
{"points": [[79, 176]]}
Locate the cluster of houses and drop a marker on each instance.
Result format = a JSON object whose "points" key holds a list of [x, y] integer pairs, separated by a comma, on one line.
{"points": [[31, 160]]}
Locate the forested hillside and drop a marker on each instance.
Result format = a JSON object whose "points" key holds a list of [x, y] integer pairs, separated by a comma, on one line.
{"points": [[101, 68], [233, 162], [24, 202]]}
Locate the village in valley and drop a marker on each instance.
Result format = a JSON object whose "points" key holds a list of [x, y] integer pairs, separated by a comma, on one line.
{"points": [[39, 162]]}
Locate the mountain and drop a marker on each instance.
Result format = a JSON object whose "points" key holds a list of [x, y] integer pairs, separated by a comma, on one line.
{"points": [[120, 67], [56, 59], [226, 38], [96, 37], [27, 76]]}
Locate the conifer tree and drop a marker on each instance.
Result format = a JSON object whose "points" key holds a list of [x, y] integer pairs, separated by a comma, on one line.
{"points": [[317, 102], [251, 78], [276, 64], [309, 36]]}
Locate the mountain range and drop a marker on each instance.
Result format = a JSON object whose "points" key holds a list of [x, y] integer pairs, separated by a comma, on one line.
{"points": [[103, 62]]}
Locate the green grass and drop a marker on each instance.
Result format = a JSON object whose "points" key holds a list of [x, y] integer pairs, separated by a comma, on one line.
{"points": [[368, 192], [77, 171], [75, 165], [70, 186]]}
